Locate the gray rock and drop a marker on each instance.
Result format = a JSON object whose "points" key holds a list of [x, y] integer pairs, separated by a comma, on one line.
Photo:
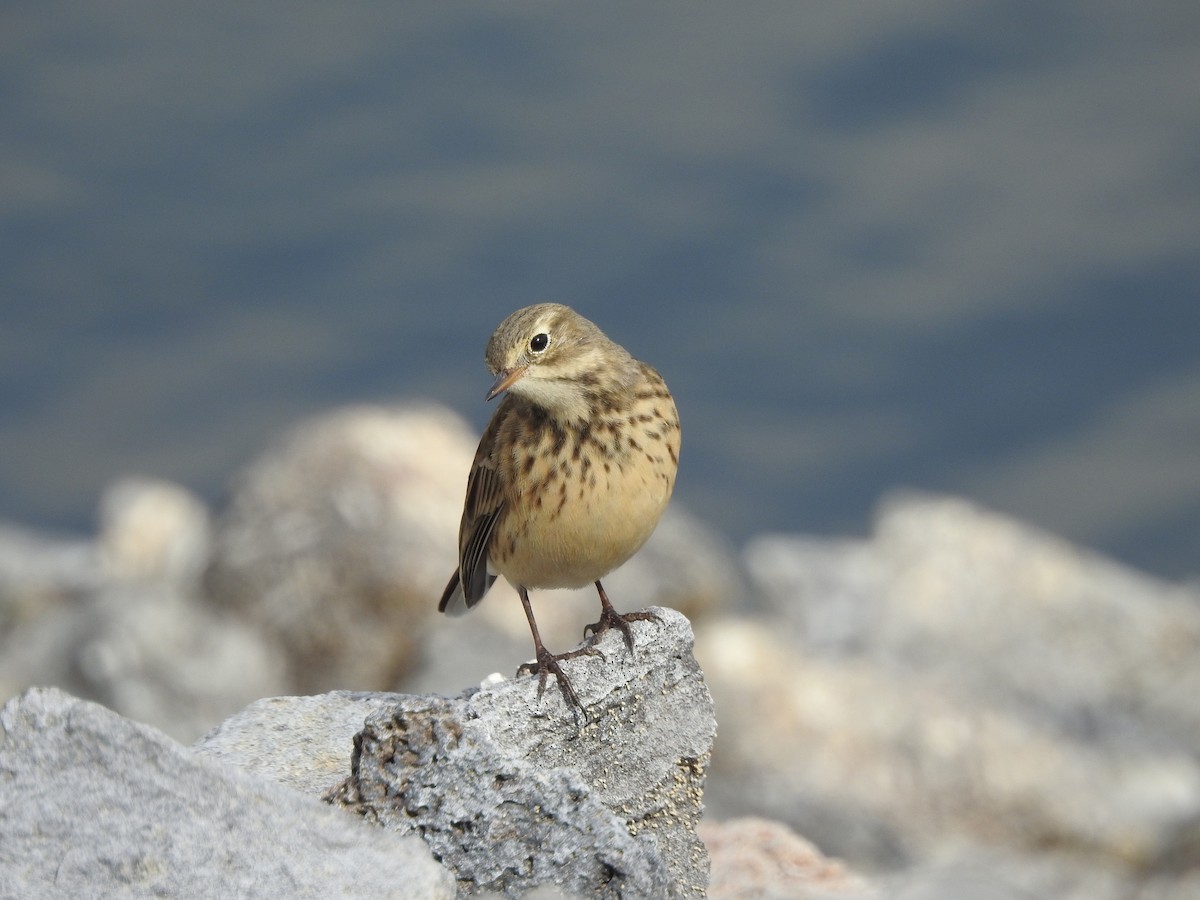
{"points": [[44, 580], [302, 742], [508, 789], [126, 629], [828, 589], [95, 805], [339, 538], [1093, 648], [963, 689], [513, 794], [117, 619], [152, 652], [38, 569], [997, 607]]}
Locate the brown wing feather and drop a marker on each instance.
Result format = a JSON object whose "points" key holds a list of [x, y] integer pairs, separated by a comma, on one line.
{"points": [[484, 503], [482, 508]]}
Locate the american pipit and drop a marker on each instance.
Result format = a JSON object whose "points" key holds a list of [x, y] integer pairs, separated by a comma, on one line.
{"points": [[572, 474]]}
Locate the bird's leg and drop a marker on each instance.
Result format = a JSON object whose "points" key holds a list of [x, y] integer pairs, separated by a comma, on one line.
{"points": [[610, 618], [547, 662]]}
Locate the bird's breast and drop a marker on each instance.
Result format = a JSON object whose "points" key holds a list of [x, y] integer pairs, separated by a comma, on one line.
{"points": [[582, 500]]}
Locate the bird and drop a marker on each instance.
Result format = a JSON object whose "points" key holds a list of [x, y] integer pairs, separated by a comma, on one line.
{"points": [[572, 473]]}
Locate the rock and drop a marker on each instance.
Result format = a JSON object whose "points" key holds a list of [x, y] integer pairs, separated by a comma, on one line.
{"points": [[963, 687], [302, 742], [810, 742], [154, 653], [153, 530], [757, 859], [503, 784], [118, 620], [910, 750], [338, 541], [1103, 652], [40, 570], [978, 873], [828, 590], [512, 794], [507, 788], [44, 582], [94, 805], [950, 589]]}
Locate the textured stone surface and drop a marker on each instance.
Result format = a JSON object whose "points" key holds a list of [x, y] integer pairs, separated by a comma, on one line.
{"points": [[303, 742], [94, 805], [511, 793]]}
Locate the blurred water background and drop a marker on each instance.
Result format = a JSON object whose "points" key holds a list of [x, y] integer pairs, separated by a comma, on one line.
{"points": [[945, 245]]}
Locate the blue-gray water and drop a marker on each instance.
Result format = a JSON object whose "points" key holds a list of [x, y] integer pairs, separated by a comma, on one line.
{"points": [[954, 246]]}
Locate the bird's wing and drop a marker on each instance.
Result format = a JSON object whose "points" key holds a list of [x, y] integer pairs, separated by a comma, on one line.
{"points": [[484, 503]]}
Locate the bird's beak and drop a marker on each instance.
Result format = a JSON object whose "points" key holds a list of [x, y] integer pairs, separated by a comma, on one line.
{"points": [[506, 379]]}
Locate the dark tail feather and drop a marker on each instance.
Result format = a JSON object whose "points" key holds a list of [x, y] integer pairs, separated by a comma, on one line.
{"points": [[454, 602]]}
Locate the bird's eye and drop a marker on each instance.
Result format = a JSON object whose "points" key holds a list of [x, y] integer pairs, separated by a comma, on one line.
{"points": [[539, 342]]}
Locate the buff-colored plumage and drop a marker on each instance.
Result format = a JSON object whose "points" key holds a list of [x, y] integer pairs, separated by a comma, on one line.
{"points": [[574, 470]]}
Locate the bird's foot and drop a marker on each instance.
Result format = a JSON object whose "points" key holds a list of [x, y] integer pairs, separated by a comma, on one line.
{"points": [[548, 664], [610, 618]]}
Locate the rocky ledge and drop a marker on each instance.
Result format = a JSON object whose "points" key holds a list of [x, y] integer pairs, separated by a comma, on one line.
{"points": [[364, 794]]}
